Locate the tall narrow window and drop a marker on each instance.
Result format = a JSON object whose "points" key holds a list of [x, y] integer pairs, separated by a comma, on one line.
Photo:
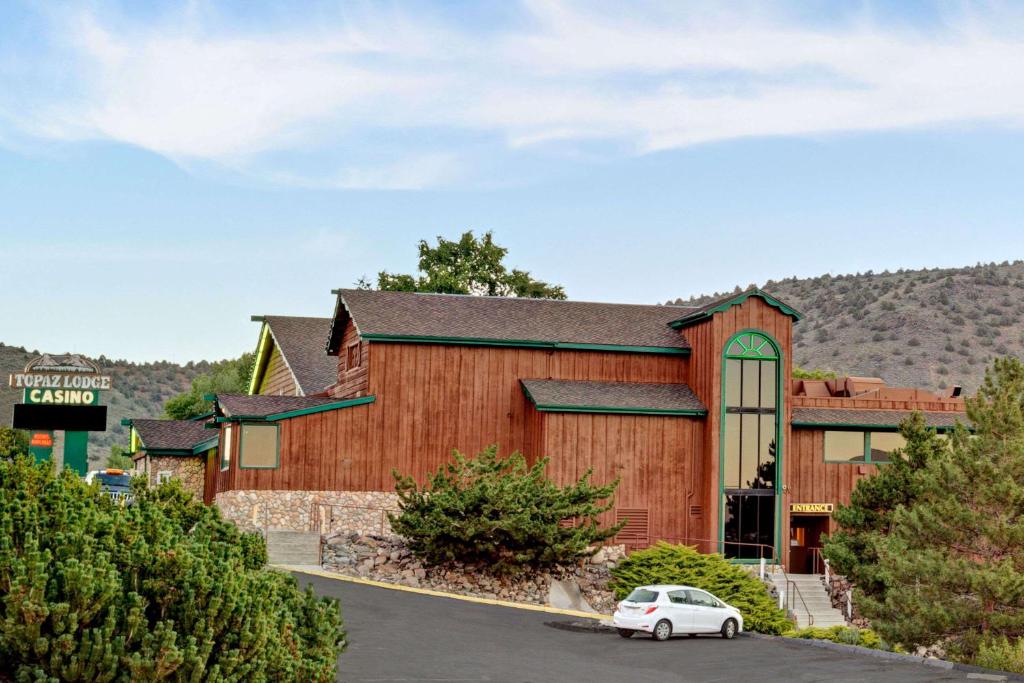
{"points": [[749, 446], [225, 449]]}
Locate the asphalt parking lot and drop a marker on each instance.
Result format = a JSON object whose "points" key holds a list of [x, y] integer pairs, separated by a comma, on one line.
{"points": [[400, 636]]}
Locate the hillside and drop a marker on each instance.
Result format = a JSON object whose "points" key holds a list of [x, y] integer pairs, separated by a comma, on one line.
{"points": [[925, 328], [140, 390]]}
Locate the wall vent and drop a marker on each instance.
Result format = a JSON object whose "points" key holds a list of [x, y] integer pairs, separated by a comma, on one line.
{"points": [[567, 523], [634, 533], [696, 510]]}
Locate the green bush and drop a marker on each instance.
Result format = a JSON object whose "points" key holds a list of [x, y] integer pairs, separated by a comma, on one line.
{"points": [[160, 590], [1001, 654], [680, 564], [502, 513], [847, 635]]}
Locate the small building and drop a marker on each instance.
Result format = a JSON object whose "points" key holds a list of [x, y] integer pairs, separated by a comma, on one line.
{"points": [[178, 449], [693, 409]]}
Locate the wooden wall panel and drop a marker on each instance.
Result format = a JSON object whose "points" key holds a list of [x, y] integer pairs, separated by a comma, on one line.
{"points": [[352, 382], [278, 379], [811, 479], [432, 399], [659, 460]]}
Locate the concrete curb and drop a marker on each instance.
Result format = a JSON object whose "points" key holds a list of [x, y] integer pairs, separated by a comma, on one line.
{"points": [[440, 594], [978, 672]]}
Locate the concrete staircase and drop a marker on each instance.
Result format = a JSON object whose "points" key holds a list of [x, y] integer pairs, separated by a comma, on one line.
{"points": [[286, 547], [817, 600]]}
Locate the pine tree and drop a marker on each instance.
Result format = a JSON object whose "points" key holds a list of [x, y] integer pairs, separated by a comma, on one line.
{"points": [[163, 589], [953, 562], [502, 513], [868, 517]]}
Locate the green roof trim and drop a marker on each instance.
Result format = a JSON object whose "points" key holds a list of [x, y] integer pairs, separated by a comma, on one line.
{"points": [[524, 343], [607, 410], [348, 403], [705, 313], [618, 411]]}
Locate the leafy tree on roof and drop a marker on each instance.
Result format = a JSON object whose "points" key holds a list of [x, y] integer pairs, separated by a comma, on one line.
{"points": [[224, 377], [469, 265]]}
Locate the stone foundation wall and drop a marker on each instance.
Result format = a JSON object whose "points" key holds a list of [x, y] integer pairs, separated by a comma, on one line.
{"points": [[329, 511], [191, 471]]}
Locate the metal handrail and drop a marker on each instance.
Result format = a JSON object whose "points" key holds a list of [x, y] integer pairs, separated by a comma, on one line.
{"points": [[818, 560], [689, 540], [796, 590]]}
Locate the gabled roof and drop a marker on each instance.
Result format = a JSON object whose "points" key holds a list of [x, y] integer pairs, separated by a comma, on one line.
{"points": [[260, 407], [552, 395], [726, 302], [300, 340], [883, 419], [174, 435], [544, 323]]}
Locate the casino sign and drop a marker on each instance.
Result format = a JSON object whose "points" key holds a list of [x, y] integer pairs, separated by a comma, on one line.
{"points": [[61, 393]]}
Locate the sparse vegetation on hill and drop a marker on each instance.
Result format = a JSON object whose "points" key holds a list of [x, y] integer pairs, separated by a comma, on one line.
{"points": [[929, 328]]}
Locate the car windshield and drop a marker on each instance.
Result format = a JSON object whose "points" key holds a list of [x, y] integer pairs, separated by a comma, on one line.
{"points": [[642, 595], [114, 480]]}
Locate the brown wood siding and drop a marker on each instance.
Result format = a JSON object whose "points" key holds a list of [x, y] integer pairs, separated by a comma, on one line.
{"points": [[659, 461], [278, 379], [811, 479], [707, 339], [352, 382], [432, 399]]}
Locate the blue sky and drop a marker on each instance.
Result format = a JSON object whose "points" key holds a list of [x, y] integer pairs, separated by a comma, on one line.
{"points": [[168, 170]]}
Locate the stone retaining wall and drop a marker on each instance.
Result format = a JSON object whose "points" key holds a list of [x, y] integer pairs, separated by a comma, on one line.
{"points": [[329, 511]]}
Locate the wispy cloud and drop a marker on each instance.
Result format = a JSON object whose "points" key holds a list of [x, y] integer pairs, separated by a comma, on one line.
{"points": [[645, 78]]}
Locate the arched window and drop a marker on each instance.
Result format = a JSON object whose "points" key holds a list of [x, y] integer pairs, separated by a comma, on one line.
{"points": [[750, 437]]}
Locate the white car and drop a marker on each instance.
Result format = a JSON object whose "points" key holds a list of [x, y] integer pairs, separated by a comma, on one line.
{"points": [[664, 611]]}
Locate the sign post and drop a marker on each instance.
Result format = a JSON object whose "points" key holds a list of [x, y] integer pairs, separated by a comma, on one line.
{"points": [[61, 394]]}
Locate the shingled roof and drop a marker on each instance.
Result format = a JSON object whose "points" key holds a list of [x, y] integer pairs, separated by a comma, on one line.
{"points": [[553, 395], [172, 435], [408, 316], [695, 315], [259, 405], [301, 342], [849, 417]]}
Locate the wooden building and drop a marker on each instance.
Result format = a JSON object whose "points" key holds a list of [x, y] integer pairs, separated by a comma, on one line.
{"points": [[693, 409]]}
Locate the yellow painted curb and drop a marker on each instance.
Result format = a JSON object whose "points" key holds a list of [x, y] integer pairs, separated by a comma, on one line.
{"points": [[441, 594]]}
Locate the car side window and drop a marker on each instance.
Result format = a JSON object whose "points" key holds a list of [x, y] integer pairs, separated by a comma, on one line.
{"points": [[703, 599], [678, 597]]}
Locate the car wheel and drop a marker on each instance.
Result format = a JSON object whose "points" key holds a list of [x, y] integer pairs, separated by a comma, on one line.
{"points": [[729, 629], [662, 630], [626, 632]]}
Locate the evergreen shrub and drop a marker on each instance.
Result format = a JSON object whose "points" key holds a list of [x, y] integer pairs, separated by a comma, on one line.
{"points": [[1001, 654], [664, 563], [159, 590], [847, 635], [502, 513]]}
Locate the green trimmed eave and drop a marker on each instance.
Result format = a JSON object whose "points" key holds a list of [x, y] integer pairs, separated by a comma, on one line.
{"points": [[698, 316], [607, 410], [611, 410], [846, 426], [523, 343], [259, 362], [274, 417]]}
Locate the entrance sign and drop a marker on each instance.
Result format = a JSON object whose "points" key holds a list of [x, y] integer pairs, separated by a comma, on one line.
{"points": [[820, 508]]}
